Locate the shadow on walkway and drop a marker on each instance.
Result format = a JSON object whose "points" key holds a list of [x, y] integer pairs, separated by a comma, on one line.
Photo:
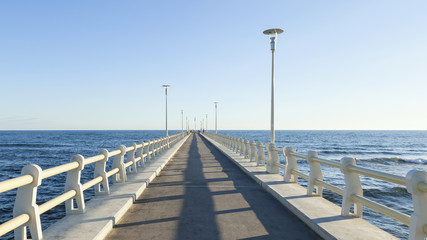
{"points": [[201, 194]]}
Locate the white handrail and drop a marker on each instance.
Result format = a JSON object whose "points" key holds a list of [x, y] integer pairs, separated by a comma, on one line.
{"points": [[415, 181], [15, 183], [22, 220]]}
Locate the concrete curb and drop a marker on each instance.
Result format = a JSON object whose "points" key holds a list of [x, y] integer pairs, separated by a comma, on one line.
{"points": [[319, 214], [103, 212]]}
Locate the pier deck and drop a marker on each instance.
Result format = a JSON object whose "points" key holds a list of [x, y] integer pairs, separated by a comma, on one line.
{"points": [[201, 194]]}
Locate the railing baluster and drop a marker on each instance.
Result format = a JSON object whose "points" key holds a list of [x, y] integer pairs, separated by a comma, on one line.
{"points": [[102, 188], [291, 164], [118, 162], [253, 152], [131, 158], [315, 174], [140, 154], [242, 146], [352, 187], [147, 150], [25, 203], [72, 182], [247, 149], [261, 154], [273, 159], [419, 199]]}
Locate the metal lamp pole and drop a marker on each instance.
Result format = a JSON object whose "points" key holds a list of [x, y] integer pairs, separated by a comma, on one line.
{"points": [[182, 120], [216, 117], [273, 35], [166, 92], [206, 122]]}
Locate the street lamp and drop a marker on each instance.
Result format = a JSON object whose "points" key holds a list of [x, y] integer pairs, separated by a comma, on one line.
{"points": [[273, 35], [166, 92], [182, 120], [216, 117], [206, 122]]}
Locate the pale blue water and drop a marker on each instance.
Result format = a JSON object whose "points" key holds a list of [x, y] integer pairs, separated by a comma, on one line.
{"points": [[394, 152]]}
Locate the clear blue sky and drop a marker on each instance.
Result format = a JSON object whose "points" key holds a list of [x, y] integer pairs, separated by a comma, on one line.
{"points": [[101, 64]]}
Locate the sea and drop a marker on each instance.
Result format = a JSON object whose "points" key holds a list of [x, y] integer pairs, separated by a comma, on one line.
{"points": [[394, 152]]}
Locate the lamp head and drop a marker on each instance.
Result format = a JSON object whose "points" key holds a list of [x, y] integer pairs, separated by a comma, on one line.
{"points": [[273, 35]]}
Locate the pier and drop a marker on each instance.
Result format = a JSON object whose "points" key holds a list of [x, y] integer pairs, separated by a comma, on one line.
{"points": [[201, 194], [207, 186]]}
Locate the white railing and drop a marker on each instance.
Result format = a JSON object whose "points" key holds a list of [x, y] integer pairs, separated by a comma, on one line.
{"points": [[415, 180], [27, 213]]}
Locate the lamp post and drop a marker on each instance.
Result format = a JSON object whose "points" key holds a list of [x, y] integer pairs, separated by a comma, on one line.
{"points": [[166, 92], [206, 122], [273, 35], [216, 117], [182, 120]]}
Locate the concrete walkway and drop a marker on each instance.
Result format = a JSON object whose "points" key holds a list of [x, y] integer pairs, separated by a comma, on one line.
{"points": [[201, 194]]}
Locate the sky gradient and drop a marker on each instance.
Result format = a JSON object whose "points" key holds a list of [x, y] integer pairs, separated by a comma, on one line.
{"points": [[340, 65]]}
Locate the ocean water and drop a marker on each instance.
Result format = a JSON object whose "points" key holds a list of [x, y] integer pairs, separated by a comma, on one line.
{"points": [[395, 152]]}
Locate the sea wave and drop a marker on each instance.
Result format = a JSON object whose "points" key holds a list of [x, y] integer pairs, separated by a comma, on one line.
{"points": [[386, 193], [385, 160], [30, 145]]}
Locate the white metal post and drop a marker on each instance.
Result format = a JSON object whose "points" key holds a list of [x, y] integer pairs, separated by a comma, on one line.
{"points": [[273, 36], [272, 137], [216, 117], [166, 93]]}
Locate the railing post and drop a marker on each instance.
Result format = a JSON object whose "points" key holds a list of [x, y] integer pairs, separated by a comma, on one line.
{"points": [[236, 145], [118, 162], [25, 203], [252, 154], [273, 159], [153, 149], [419, 199], [291, 164], [72, 182], [247, 149], [352, 186], [140, 154], [161, 146], [315, 174], [233, 144], [131, 158], [101, 172], [147, 150], [267, 161], [242, 146], [261, 153]]}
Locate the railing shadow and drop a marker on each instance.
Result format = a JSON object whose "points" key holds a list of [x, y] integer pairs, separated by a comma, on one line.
{"points": [[278, 221]]}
